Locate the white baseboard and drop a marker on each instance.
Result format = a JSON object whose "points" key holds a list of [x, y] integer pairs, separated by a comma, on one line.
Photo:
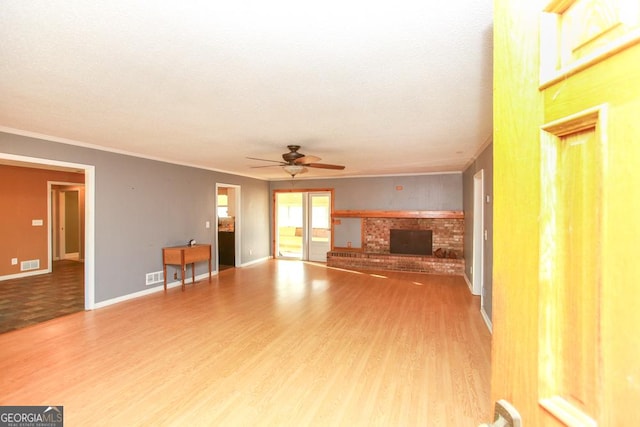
{"points": [[150, 291], [485, 316], [24, 274], [161, 287], [466, 279], [259, 260]]}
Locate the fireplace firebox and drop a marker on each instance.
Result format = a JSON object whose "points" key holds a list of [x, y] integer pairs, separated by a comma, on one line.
{"points": [[411, 242]]}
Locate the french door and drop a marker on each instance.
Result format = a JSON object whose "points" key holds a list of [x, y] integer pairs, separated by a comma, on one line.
{"points": [[303, 225]]}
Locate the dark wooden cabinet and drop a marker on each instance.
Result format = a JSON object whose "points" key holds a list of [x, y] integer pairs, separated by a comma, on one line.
{"points": [[227, 248]]}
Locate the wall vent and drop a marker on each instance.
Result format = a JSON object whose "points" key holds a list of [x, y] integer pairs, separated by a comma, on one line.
{"points": [[32, 264], [156, 277]]}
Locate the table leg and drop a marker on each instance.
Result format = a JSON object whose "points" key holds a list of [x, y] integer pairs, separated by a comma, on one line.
{"points": [[183, 274], [164, 274]]}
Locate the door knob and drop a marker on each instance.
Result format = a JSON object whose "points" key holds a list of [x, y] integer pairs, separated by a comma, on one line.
{"points": [[505, 415]]}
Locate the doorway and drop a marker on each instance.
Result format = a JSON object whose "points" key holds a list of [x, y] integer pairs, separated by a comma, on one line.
{"points": [[303, 224], [88, 216], [478, 236], [228, 225], [66, 227]]}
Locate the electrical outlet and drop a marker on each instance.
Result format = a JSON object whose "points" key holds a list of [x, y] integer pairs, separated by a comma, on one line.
{"points": [[14, 261]]}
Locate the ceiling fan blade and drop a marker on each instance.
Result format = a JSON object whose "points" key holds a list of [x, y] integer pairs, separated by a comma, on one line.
{"points": [[267, 160], [265, 166], [324, 166], [306, 160], [294, 160]]}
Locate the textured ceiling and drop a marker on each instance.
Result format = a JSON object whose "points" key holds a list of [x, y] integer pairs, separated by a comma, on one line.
{"points": [[382, 87]]}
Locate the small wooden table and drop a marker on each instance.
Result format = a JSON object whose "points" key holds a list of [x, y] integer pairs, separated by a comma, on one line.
{"points": [[183, 255]]}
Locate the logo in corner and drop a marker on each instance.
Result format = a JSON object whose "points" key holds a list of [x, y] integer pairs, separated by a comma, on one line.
{"points": [[31, 416]]}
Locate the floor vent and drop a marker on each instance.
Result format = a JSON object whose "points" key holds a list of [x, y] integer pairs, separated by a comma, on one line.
{"points": [[32, 264], [153, 278]]}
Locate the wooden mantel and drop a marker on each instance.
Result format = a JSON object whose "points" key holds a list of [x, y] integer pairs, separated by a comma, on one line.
{"points": [[397, 214]]}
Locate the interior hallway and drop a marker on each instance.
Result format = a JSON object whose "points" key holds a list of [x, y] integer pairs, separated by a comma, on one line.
{"points": [[276, 343]]}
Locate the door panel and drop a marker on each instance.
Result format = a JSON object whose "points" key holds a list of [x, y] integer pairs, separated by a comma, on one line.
{"points": [[565, 347], [570, 269], [319, 237], [71, 223]]}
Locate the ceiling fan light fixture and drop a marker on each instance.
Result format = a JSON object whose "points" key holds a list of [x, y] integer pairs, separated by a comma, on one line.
{"points": [[293, 170]]}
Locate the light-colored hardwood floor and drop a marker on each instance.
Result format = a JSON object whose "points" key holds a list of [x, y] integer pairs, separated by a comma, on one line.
{"points": [[281, 343]]}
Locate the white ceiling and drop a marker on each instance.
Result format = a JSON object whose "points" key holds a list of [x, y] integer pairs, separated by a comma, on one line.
{"points": [[382, 87]]}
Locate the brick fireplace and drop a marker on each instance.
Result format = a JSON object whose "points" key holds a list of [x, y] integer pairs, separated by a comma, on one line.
{"points": [[447, 234]]}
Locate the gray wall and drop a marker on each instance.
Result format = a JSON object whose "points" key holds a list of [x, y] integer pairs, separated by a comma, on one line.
{"points": [[143, 205], [419, 192], [483, 162]]}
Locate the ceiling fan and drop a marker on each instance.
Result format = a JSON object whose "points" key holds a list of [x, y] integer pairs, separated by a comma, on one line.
{"points": [[295, 162]]}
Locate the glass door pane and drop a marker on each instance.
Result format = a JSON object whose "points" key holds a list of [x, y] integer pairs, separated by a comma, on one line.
{"points": [[319, 235], [290, 225]]}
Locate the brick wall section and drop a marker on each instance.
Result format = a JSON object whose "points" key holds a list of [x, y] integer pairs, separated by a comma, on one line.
{"points": [[448, 234], [419, 264]]}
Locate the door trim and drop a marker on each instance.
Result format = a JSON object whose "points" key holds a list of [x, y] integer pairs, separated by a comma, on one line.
{"points": [[237, 227], [89, 216], [478, 236], [52, 217], [274, 207]]}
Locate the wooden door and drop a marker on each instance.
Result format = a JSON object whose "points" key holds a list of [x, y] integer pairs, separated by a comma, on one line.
{"points": [[566, 298], [71, 224]]}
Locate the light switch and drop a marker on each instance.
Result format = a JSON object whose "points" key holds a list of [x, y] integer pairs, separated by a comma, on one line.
{"points": [[207, 224], [14, 261]]}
